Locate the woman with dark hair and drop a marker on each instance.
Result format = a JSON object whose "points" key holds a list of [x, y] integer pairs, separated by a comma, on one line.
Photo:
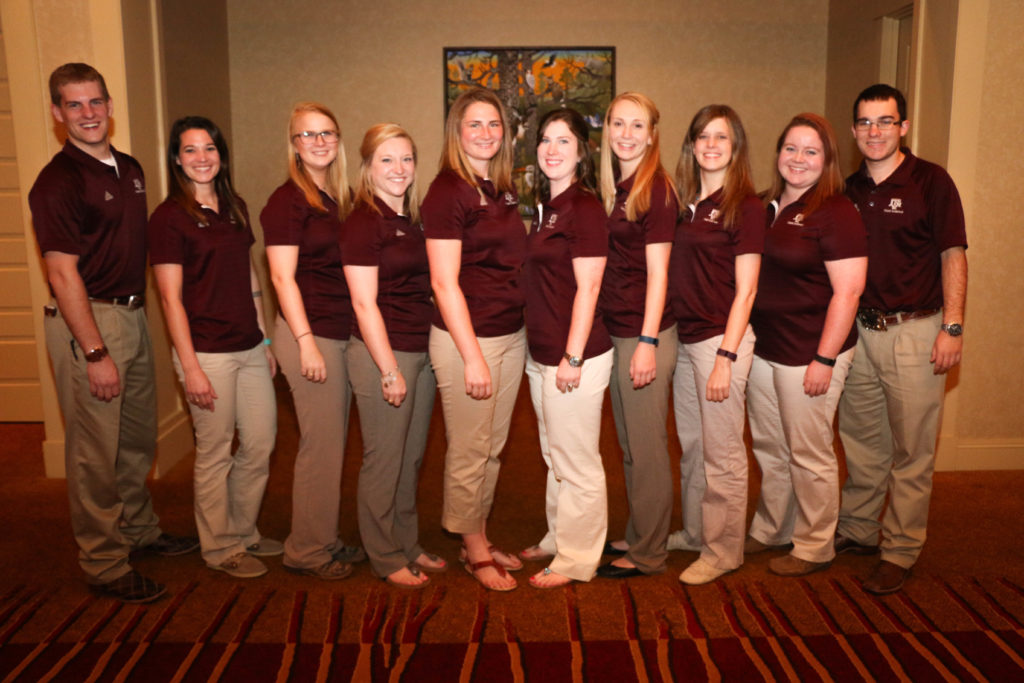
{"points": [[385, 260], [476, 244], [812, 275], [641, 202], [199, 241], [570, 357], [712, 282], [301, 227]]}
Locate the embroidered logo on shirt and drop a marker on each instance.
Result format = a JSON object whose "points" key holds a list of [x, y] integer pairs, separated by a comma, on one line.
{"points": [[895, 206], [797, 220], [107, 196], [550, 224], [713, 216], [399, 232], [509, 199], [139, 189]]}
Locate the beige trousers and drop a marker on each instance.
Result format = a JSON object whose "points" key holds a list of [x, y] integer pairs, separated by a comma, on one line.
{"points": [[476, 430]]}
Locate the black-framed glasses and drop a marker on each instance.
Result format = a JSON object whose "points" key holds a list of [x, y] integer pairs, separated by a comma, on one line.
{"points": [[884, 123], [309, 137]]}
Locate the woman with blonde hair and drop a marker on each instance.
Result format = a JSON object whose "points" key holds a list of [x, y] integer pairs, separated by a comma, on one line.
{"points": [[476, 244], [199, 244], [812, 275], [641, 202], [385, 259], [301, 227], [712, 282]]}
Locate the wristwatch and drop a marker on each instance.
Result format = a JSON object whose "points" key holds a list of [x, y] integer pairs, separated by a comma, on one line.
{"points": [[96, 354], [574, 361], [953, 329]]}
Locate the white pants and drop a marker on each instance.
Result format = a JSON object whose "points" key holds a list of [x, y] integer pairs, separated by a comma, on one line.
{"points": [[792, 438], [575, 497], [713, 469], [229, 488]]}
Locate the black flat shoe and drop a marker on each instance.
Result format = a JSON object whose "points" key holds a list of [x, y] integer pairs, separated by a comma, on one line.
{"points": [[609, 549], [610, 571]]}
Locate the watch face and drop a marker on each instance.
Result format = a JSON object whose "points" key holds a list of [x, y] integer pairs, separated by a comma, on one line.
{"points": [[953, 330]]}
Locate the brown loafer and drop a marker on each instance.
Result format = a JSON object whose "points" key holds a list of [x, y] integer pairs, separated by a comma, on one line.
{"points": [[787, 565], [886, 578]]}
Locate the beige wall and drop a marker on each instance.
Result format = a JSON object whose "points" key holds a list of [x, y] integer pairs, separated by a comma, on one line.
{"points": [[992, 382], [379, 61]]}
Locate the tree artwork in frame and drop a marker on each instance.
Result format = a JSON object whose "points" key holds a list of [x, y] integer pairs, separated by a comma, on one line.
{"points": [[530, 81]]}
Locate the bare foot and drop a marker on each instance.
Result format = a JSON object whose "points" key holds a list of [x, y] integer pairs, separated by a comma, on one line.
{"points": [[549, 579], [491, 575], [620, 545], [408, 577], [624, 563], [430, 562], [535, 552]]}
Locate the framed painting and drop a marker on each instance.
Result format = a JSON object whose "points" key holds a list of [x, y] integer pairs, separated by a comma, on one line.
{"points": [[530, 81]]}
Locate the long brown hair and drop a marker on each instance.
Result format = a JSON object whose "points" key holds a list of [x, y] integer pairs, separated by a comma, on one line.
{"points": [[365, 190], [647, 173], [337, 183], [179, 186], [831, 181], [738, 183], [453, 157], [584, 174]]}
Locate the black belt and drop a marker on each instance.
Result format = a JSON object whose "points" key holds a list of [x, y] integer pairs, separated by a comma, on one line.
{"points": [[874, 319], [132, 301]]}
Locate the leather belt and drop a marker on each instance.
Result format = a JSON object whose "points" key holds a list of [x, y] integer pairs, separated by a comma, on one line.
{"points": [[131, 301], [874, 319]]}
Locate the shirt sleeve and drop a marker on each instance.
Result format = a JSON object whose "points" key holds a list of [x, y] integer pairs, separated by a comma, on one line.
{"points": [[663, 214], [283, 217], [57, 212], [750, 228], [842, 232], [166, 241], [360, 239], [588, 236], [444, 209]]}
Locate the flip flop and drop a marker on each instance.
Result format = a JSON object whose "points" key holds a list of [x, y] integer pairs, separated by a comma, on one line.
{"points": [[474, 567], [414, 569]]}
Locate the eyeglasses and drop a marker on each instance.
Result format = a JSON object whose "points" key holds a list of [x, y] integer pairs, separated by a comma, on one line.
{"points": [[884, 123], [309, 137]]}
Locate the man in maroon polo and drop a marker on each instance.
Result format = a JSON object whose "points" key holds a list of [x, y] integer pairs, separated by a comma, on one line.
{"points": [[89, 212], [910, 324]]}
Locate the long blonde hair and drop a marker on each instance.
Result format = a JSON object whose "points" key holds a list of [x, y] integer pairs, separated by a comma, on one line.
{"points": [[365, 190], [337, 182], [453, 157], [647, 173]]}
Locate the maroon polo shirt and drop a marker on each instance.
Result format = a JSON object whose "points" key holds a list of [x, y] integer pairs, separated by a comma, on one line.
{"points": [[624, 290], [911, 218], [572, 225], [794, 291], [388, 242], [702, 271], [288, 219], [215, 287], [493, 248], [85, 207]]}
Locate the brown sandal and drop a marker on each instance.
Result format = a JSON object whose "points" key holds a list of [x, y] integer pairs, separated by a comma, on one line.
{"points": [[474, 567], [506, 561]]}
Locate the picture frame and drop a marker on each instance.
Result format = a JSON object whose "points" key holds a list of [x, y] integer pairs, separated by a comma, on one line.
{"points": [[530, 81]]}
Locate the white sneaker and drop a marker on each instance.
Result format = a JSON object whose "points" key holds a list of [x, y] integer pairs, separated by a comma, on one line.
{"points": [[701, 572], [266, 547], [241, 566], [677, 541]]}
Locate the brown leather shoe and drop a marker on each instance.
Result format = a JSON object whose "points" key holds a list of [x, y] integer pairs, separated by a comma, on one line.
{"points": [[787, 565], [752, 546], [843, 544], [886, 578]]}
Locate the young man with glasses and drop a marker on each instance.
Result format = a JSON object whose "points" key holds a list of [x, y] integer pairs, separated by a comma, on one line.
{"points": [[910, 326]]}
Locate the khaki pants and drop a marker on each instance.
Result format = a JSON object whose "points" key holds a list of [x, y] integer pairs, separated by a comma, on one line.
{"points": [[713, 470], [393, 443], [108, 446], [792, 438], [576, 499], [641, 420], [889, 422], [476, 430], [229, 487], [322, 412]]}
